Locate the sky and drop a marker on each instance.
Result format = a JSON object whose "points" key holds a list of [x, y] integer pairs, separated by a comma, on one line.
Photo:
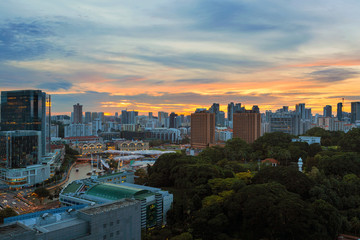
{"points": [[167, 55]]}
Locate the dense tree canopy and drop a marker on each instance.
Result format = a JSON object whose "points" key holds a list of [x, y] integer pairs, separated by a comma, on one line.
{"points": [[222, 194]]}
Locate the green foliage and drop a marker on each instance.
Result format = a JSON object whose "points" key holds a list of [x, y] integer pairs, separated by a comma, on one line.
{"points": [[351, 141], [270, 211], [212, 154], [329, 218], [218, 196], [160, 172], [191, 175], [237, 149], [340, 164], [290, 177], [42, 192], [5, 213], [183, 236], [141, 176], [156, 143], [223, 184], [328, 138]]}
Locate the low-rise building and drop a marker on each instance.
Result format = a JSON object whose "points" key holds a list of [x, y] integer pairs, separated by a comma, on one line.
{"points": [[132, 146], [308, 139], [154, 202], [89, 148], [115, 220]]}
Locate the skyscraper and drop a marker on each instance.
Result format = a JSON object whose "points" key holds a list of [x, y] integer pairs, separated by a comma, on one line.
{"points": [[308, 114], [355, 111], [256, 109], [327, 111], [87, 117], [238, 107], [172, 120], [230, 111], [339, 111], [215, 108], [300, 108], [162, 116], [202, 129], [247, 126], [78, 113], [27, 110]]}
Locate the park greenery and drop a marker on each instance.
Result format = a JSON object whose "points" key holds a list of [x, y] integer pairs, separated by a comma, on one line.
{"points": [[225, 193], [5, 213]]}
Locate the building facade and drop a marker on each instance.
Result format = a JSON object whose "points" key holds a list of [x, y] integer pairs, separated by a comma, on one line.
{"points": [[355, 112], [202, 129], [27, 110], [115, 220], [247, 126]]}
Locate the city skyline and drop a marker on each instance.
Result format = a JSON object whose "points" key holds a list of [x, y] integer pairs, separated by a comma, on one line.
{"points": [[178, 56]]}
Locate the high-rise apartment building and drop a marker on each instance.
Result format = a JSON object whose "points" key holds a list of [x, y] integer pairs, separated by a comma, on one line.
{"points": [[87, 117], [94, 115], [202, 129], [162, 116], [327, 111], [300, 108], [247, 126], [78, 114], [339, 111], [173, 120], [285, 122], [256, 109], [308, 114], [355, 112], [230, 111], [27, 110], [215, 108]]}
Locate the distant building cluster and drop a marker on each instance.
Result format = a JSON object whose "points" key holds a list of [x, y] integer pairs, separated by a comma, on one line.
{"points": [[28, 130]]}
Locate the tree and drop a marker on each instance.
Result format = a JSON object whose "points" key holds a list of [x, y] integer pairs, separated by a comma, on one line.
{"points": [[141, 176], [41, 193], [270, 211], [212, 154], [270, 140], [183, 236], [340, 164], [160, 173], [237, 149], [290, 177], [5, 213], [351, 141]]}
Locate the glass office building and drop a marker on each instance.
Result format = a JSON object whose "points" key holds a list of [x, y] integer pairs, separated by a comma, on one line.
{"points": [[19, 149], [27, 110]]}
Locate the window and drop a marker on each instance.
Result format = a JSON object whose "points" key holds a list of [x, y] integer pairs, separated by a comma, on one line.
{"points": [[104, 225], [118, 221], [104, 237], [117, 232], [111, 234], [111, 223]]}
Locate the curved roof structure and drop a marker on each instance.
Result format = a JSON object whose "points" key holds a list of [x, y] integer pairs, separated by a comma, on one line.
{"points": [[114, 192]]}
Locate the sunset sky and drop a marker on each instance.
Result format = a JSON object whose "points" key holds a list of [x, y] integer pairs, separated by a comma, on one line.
{"points": [[167, 55]]}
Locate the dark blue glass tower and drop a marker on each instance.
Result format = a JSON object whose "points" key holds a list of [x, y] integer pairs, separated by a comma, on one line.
{"points": [[27, 110]]}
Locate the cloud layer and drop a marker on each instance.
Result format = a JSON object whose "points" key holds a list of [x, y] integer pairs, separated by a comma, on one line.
{"points": [[178, 55]]}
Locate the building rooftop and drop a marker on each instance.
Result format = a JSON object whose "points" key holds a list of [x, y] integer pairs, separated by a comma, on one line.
{"points": [[13, 229], [72, 187], [61, 224], [113, 191], [113, 174], [109, 206]]}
